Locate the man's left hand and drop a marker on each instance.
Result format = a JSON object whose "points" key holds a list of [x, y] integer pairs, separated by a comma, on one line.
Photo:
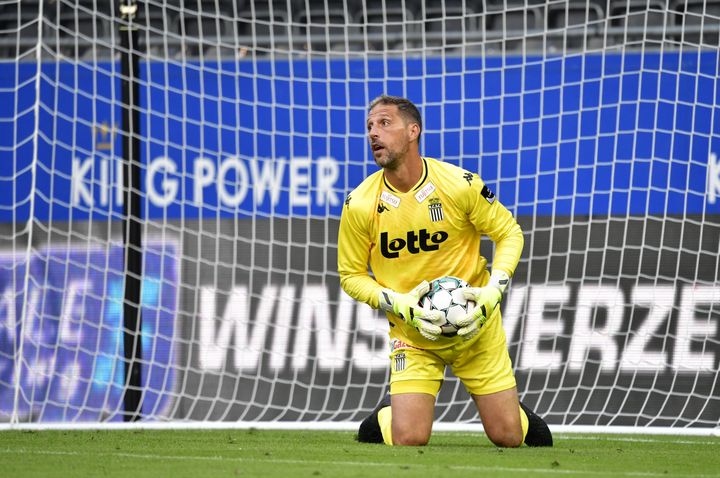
{"points": [[486, 299]]}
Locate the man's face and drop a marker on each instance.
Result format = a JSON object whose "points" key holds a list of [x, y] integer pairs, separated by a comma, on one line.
{"points": [[389, 135]]}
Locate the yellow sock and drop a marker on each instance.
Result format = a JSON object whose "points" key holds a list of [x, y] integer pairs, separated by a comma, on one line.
{"points": [[385, 421], [524, 423]]}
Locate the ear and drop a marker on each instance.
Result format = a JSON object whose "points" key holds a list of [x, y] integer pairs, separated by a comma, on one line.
{"points": [[414, 131]]}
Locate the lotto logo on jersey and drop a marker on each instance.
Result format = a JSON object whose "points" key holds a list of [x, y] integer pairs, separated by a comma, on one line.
{"points": [[414, 242]]}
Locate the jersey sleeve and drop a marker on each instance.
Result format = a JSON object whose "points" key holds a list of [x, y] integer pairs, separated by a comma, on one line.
{"points": [[493, 219], [353, 255]]}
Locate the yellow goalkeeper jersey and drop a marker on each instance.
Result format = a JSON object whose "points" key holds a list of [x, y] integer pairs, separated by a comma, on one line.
{"points": [[431, 231]]}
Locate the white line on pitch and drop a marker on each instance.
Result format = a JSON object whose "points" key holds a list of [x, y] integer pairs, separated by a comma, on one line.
{"points": [[640, 440], [553, 471], [606, 438]]}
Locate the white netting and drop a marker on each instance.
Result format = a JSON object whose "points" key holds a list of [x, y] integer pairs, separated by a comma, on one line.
{"points": [[594, 122]]}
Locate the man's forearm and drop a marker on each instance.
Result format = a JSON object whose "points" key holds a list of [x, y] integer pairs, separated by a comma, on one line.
{"points": [[508, 251], [362, 288]]}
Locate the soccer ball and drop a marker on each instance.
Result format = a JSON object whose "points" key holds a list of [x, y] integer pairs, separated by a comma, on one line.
{"points": [[446, 296]]}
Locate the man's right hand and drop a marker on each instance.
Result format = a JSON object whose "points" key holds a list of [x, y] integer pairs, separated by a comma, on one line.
{"points": [[407, 307]]}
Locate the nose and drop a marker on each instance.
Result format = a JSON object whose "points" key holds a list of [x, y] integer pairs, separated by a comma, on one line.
{"points": [[373, 132]]}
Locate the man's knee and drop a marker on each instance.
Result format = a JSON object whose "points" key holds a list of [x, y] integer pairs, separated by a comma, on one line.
{"points": [[504, 435], [412, 418], [406, 436]]}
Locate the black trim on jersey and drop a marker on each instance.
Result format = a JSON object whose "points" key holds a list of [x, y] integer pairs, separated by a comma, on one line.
{"points": [[387, 184], [422, 181]]}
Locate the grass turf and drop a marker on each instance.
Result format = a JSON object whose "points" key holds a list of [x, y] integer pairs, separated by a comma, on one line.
{"points": [[192, 453]]}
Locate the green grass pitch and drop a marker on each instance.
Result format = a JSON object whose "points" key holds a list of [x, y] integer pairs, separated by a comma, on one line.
{"points": [[266, 453]]}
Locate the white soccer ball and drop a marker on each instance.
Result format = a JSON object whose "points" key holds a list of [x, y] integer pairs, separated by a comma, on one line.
{"points": [[446, 296]]}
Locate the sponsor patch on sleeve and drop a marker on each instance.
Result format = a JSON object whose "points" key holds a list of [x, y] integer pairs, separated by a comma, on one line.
{"points": [[487, 194]]}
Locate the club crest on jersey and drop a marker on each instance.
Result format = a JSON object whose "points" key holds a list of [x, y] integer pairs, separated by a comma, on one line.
{"points": [[436, 210], [391, 199], [400, 362]]}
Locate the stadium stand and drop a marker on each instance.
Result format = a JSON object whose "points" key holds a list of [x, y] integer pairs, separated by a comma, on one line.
{"points": [[449, 25], [18, 28], [642, 21], [226, 28], [324, 28], [266, 26], [700, 20], [387, 28]]}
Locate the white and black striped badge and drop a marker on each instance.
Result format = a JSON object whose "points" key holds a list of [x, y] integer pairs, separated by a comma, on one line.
{"points": [[436, 211], [399, 362]]}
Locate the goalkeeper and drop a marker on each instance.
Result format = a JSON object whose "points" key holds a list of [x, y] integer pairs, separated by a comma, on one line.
{"points": [[413, 221]]}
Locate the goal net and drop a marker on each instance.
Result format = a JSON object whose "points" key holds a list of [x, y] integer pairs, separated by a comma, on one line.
{"points": [[596, 123]]}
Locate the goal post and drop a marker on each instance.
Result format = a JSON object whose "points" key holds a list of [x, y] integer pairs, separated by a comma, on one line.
{"points": [[595, 123]]}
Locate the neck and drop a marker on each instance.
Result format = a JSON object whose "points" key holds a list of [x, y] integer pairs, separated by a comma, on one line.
{"points": [[407, 174]]}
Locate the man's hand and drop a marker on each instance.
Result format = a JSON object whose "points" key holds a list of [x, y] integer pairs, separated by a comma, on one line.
{"points": [[486, 299], [406, 306]]}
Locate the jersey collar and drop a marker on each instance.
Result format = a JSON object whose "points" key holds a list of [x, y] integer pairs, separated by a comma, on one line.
{"points": [[419, 184]]}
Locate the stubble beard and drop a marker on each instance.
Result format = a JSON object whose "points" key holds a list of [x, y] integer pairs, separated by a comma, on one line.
{"points": [[393, 159]]}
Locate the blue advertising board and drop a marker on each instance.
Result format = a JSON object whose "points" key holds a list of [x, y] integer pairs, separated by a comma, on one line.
{"points": [[621, 134], [61, 342]]}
